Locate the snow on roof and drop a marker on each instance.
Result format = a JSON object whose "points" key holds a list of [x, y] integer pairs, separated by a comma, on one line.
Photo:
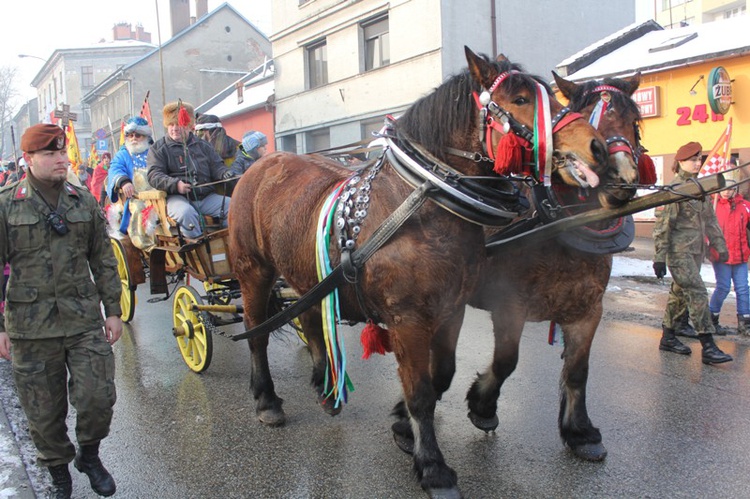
{"points": [[667, 48], [253, 96]]}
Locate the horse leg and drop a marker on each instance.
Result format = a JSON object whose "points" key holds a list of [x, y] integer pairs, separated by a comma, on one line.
{"points": [[312, 326], [484, 392], [255, 285], [443, 368], [576, 428], [436, 477]]}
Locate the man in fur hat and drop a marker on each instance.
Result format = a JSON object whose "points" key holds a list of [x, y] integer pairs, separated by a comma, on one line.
{"points": [[180, 164]]}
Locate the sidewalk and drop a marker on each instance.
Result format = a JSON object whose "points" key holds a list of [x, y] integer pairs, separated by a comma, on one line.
{"points": [[14, 480]]}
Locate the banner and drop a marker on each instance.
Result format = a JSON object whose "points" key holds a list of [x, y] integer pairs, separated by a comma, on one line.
{"points": [[146, 111], [74, 154], [93, 156], [716, 161]]}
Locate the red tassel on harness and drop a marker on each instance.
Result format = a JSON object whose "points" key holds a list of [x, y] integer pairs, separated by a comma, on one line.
{"points": [[183, 117], [509, 155], [374, 339], [646, 170]]}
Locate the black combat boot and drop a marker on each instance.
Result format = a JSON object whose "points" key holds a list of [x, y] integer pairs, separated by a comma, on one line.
{"points": [[682, 327], [87, 461], [62, 484], [711, 353], [743, 324], [720, 330], [669, 343]]}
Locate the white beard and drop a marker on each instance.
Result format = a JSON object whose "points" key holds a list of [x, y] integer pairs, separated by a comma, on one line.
{"points": [[138, 147]]}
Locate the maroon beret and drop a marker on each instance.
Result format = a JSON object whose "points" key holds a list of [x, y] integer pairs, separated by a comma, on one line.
{"points": [[43, 137], [688, 151]]}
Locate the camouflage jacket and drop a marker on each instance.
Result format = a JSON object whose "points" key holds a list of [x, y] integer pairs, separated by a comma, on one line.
{"points": [[683, 227], [50, 290]]}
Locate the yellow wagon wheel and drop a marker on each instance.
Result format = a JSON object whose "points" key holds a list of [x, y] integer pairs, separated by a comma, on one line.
{"points": [[127, 298], [194, 341]]}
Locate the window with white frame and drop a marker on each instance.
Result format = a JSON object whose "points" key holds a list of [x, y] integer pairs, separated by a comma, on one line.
{"points": [[376, 43], [317, 64]]}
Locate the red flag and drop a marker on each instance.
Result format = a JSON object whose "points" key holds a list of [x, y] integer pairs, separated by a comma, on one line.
{"points": [[146, 110], [716, 161]]}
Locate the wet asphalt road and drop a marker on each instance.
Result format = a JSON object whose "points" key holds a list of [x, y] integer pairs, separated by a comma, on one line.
{"points": [[673, 427]]}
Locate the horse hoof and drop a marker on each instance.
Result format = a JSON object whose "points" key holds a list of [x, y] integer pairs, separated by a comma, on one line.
{"points": [[272, 418], [486, 424], [452, 493], [403, 436], [590, 452], [328, 405]]}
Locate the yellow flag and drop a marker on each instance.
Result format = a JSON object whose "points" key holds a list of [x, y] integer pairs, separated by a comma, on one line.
{"points": [[94, 156], [74, 154], [122, 133]]}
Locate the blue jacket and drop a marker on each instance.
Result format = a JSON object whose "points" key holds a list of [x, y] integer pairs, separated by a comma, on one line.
{"points": [[122, 169]]}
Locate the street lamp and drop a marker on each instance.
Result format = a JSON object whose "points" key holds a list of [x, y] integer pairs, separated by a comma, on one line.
{"points": [[32, 56]]}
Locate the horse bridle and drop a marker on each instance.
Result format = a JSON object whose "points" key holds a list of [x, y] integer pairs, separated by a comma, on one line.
{"points": [[615, 143], [493, 117]]}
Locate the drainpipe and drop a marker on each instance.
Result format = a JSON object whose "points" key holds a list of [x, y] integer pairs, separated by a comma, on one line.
{"points": [[493, 19]]}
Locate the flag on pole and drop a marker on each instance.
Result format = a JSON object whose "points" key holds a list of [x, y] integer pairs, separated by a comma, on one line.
{"points": [[74, 154], [146, 110], [122, 133], [93, 156], [716, 161]]}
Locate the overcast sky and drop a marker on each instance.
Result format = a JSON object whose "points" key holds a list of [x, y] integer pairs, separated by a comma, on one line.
{"points": [[39, 27]]}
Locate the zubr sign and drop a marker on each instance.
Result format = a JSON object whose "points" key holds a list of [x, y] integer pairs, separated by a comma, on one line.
{"points": [[719, 90]]}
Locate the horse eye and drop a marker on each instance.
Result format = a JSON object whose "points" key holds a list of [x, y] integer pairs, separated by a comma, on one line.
{"points": [[520, 101]]}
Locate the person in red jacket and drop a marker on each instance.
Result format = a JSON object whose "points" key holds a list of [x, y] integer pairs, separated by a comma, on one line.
{"points": [[99, 179], [733, 214]]}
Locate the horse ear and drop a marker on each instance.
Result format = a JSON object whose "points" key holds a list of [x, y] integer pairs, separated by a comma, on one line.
{"points": [[633, 82], [478, 68], [568, 88], [501, 58]]}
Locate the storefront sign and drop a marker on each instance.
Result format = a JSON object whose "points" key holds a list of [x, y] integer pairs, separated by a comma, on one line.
{"points": [[648, 101], [719, 90]]}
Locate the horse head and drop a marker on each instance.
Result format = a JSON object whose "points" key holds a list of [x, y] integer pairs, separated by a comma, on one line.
{"points": [[608, 105], [521, 110]]}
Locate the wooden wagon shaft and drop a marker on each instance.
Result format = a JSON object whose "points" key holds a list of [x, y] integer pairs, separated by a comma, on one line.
{"points": [[679, 192]]}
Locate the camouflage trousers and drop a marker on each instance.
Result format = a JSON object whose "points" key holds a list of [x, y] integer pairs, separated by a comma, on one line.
{"points": [[45, 370], [689, 292]]}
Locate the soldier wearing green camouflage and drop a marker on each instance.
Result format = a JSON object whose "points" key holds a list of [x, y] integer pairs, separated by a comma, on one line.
{"points": [[679, 239], [54, 237]]}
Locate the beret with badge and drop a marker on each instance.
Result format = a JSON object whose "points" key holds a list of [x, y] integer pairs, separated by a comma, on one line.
{"points": [[688, 151], [43, 137]]}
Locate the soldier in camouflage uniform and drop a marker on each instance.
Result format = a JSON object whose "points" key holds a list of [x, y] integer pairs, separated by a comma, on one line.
{"points": [[54, 237], [679, 238]]}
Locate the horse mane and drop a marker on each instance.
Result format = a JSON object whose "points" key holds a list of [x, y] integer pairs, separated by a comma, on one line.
{"points": [[584, 96], [449, 111]]}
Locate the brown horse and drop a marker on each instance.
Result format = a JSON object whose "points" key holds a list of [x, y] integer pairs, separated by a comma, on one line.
{"points": [[564, 279], [418, 283]]}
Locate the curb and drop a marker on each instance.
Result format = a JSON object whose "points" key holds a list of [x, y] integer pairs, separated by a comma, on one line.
{"points": [[14, 481]]}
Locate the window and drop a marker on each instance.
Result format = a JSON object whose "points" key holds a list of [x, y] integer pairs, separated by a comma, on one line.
{"points": [[87, 76], [317, 65], [319, 139], [289, 143], [376, 43], [86, 114]]}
